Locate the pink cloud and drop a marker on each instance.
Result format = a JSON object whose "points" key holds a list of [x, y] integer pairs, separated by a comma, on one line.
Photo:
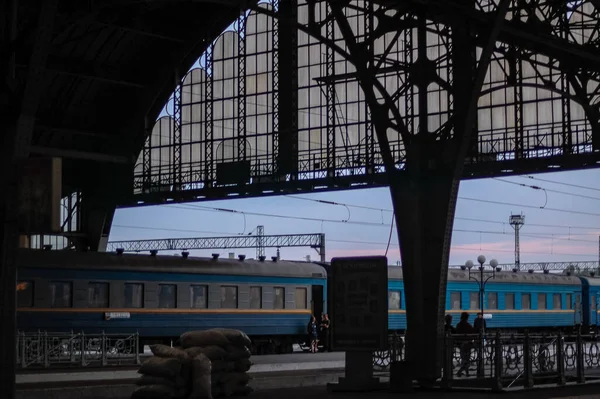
{"points": [[500, 250], [393, 252], [542, 246]]}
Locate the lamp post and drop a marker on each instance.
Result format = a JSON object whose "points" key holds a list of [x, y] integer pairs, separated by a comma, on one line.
{"points": [[482, 281]]}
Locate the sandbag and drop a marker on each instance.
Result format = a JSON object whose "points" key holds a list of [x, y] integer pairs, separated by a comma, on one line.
{"points": [[236, 337], [242, 365], [243, 390], [217, 391], [201, 378], [203, 338], [155, 392], [223, 365], [168, 352], [237, 352], [177, 382], [234, 379], [161, 367], [212, 352]]}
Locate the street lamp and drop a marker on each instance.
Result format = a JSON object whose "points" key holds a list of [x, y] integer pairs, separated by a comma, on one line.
{"points": [[482, 281]]}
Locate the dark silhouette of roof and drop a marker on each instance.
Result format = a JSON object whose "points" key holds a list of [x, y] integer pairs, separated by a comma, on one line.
{"points": [[105, 67]]}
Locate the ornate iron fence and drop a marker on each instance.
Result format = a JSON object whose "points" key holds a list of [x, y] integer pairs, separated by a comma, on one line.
{"points": [[47, 349], [501, 361]]}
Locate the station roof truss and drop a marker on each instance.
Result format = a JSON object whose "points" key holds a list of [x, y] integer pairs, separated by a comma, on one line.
{"points": [[275, 105], [88, 75], [263, 99]]}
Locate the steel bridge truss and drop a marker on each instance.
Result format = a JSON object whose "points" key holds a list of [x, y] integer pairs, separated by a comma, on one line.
{"points": [[315, 241], [260, 118], [574, 267]]}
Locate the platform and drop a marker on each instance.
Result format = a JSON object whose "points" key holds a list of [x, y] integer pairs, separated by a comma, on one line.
{"points": [[262, 364]]}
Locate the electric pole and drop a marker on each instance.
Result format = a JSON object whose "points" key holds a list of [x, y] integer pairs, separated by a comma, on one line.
{"points": [[516, 222]]}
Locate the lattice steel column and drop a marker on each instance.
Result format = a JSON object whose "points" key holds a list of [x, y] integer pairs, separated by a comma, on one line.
{"points": [[288, 91], [369, 134], [209, 165], [260, 243], [275, 94], [177, 161], [330, 101], [516, 78], [146, 157], [241, 117]]}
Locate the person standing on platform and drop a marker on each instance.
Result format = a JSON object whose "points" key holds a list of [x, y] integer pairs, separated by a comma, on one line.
{"points": [[480, 324], [325, 332], [466, 343], [448, 326], [313, 332]]}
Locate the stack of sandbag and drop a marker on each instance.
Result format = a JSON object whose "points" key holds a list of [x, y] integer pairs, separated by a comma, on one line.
{"points": [[165, 375], [229, 354]]}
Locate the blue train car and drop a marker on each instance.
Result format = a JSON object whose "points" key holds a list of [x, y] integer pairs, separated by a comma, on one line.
{"points": [[514, 301], [591, 298], [163, 296]]}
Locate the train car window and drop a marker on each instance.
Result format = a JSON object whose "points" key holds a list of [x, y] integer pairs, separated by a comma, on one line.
{"points": [[593, 302], [492, 300], [229, 297], [167, 296], [394, 300], [61, 294], [455, 300], [474, 300], [98, 295], [279, 300], [134, 295], [509, 301], [569, 302], [301, 302], [541, 301], [198, 296], [255, 297], [525, 301], [556, 301], [25, 294]]}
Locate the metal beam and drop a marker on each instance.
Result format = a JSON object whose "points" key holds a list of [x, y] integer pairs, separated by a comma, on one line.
{"points": [[513, 32], [89, 70], [76, 132], [89, 156], [267, 241]]}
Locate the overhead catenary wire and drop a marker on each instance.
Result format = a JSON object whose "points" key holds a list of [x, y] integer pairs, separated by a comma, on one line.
{"points": [[556, 236], [459, 246], [574, 227]]}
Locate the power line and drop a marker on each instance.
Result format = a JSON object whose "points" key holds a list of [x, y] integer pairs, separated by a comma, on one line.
{"points": [[457, 217], [548, 190], [360, 242], [561, 183], [362, 223]]}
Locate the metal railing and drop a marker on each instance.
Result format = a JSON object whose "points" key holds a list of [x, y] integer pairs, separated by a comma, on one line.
{"points": [[499, 361], [46, 349]]}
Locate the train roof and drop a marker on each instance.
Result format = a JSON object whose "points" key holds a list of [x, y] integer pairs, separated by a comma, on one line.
{"points": [[167, 264], [592, 281], [395, 272]]}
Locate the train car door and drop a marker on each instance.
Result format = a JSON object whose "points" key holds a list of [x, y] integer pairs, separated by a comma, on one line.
{"points": [[577, 309], [594, 310], [316, 304]]}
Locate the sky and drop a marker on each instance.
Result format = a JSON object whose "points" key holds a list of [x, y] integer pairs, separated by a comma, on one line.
{"points": [[562, 220]]}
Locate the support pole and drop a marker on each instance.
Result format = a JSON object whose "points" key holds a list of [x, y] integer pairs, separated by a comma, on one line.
{"points": [[424, 203]]}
